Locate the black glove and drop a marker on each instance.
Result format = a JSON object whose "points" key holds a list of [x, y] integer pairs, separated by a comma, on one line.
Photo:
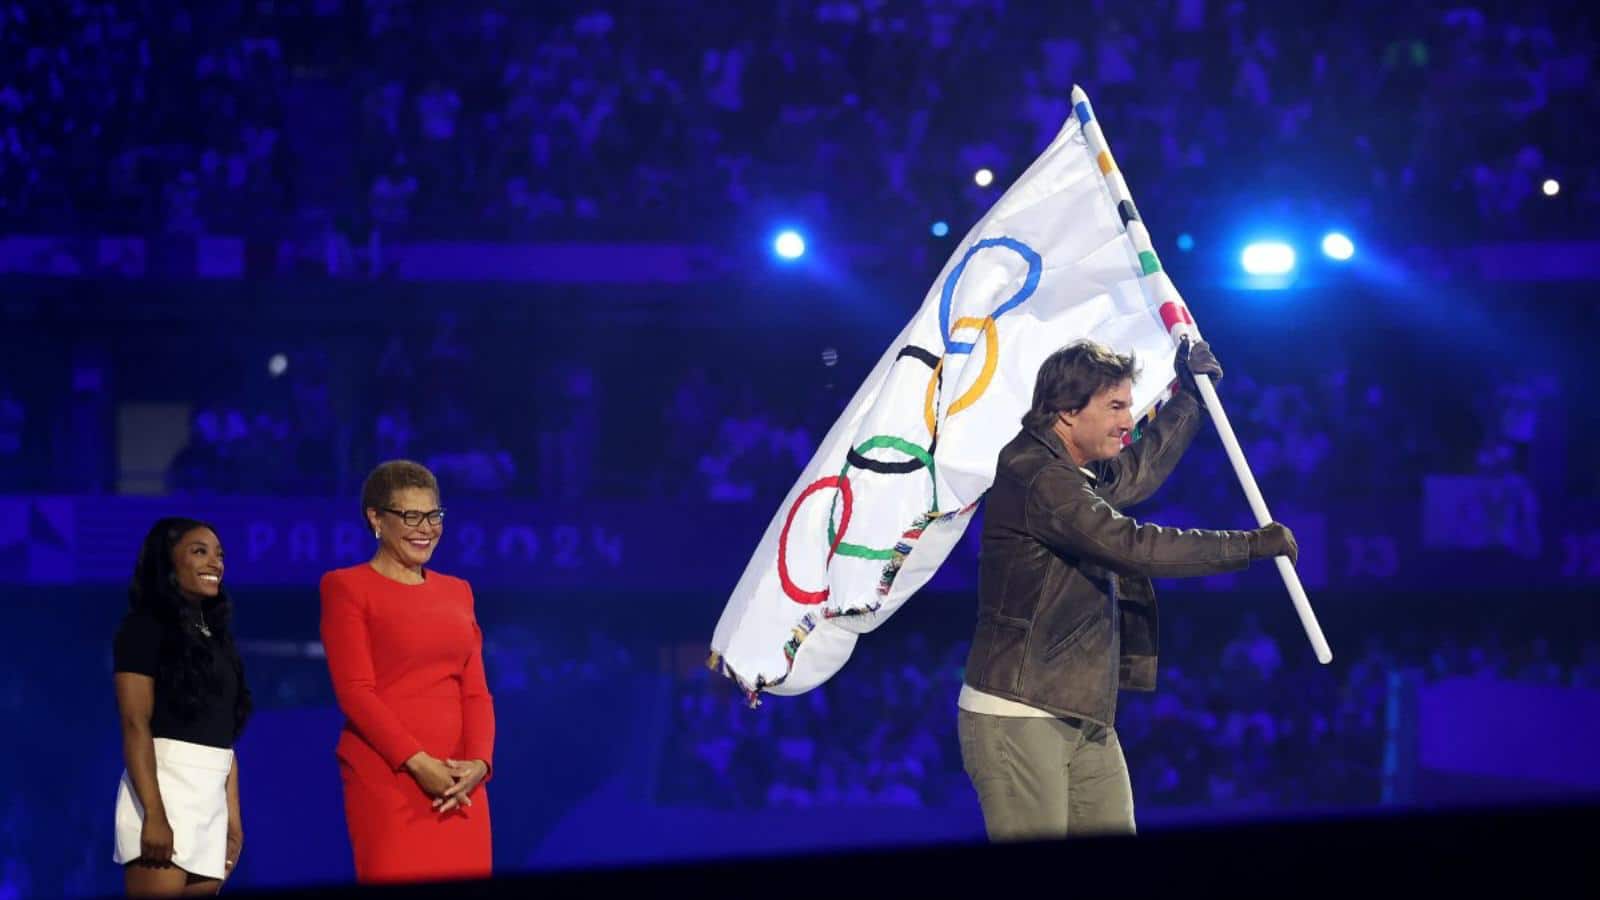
{"points": [[1272, 540], [1193, 361]]}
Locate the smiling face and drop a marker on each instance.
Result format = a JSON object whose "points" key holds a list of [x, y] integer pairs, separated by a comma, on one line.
{"points": [[1097, 431], [411, 545], [197, 563]]}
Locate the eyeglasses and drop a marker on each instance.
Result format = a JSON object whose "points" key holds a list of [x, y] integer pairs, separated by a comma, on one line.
{"points": [[414, 517]]}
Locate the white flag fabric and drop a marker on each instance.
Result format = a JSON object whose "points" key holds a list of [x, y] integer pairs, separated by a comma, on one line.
{"points": [[892, 487]]}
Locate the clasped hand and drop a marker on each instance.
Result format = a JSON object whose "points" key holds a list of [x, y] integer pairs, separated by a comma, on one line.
{"points": [[449, 782]]}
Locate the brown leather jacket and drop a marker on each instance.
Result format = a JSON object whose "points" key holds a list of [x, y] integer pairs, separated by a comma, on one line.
{"points": [[1067, 614]]}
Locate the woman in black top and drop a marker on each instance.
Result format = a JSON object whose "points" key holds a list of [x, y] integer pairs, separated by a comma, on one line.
{"points": [[183, 701]]}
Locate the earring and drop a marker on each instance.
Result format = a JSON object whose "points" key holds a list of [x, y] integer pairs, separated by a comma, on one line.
{"points": [[377, 534]]}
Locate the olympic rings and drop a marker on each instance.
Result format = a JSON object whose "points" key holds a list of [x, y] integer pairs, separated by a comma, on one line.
{"points": [[844, 500], [919, 458]]}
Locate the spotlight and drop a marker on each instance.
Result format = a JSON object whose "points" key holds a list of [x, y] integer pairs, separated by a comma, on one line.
{"points": [[789, 245], [1268, 258], [1337, 246]]}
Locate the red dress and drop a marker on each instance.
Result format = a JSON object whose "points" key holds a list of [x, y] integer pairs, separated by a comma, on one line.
{"points": [[407, 669]]}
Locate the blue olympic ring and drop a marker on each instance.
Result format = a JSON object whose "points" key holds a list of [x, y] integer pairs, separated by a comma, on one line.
{"points": [[948, 293]]}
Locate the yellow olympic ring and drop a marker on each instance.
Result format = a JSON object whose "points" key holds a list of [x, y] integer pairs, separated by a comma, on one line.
{"points": [[991, 361]]}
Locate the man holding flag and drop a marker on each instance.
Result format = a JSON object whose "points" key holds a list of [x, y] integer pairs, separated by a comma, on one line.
{"points": [[1067, 610], [1067, 614]]}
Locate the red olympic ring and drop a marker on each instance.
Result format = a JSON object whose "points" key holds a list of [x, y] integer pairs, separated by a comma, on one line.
{"points": [[798, 595]]}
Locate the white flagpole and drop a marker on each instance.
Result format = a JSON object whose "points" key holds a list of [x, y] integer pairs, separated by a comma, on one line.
{"points": [[1140, 237], [1258, 505]]}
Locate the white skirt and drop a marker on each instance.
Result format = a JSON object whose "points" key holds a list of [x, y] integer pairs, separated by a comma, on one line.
{"points": [[193, 780]]}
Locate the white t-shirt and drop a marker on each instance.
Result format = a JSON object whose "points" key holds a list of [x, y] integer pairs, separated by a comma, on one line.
{"points": [[975, 701]]}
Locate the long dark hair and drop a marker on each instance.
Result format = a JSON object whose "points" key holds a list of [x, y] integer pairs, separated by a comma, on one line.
{"points": [[186, 661]]}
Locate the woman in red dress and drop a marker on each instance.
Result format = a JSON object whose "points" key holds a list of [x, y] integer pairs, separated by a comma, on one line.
{"points": [[406, 658]]}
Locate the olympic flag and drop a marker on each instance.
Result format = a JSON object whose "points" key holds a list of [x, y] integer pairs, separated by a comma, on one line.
{"points": [[1061, 256]]}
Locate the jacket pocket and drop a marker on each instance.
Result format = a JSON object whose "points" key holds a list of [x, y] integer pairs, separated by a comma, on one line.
{"points": [[1072, 637], [997, 652]]}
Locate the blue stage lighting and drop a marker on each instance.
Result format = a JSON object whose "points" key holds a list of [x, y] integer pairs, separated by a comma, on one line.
{"points": [[1268, 258], [940, 229], [1337, 246], [789, 245]]}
